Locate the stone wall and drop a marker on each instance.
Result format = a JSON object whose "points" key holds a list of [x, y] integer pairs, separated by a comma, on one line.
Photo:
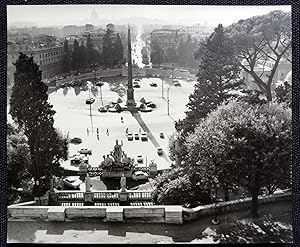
{"points": [[230, 206], [154, 214]]}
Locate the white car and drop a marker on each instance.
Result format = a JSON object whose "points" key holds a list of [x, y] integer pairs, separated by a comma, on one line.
{"points": [[139, 175], [139, 159], [144, 136]]}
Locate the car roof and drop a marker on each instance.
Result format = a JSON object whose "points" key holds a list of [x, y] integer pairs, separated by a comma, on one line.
{"points": [[139, 172]]}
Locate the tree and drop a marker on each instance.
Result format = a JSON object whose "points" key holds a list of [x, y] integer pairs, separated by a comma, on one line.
{"points": [[76, 55], [18, 162], [107, 51], [157, 53], [262, 40], [30, 109], [89, 51], [181, 187], [83, 57], [171, 55], [230, 144], [218, 78], [181, 53], [117, 50], [66, 57], [283, 93]]}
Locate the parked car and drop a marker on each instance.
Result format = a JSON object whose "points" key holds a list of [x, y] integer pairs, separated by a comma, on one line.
{"points": [[144, 136], [177, 84], [161, 134], [152, 105], [76, 140], [72, 182], [103, 109], [139, 158], [136, 85], [159, 151], [129, 137], [136, 136], [139, 175], [90, 101], [76, 160], [153, 84], [85, 151]]}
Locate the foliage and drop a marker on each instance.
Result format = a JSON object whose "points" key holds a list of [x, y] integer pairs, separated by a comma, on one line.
{"points": [[83, 57], [118, 50], [76, 56], [66, 57], [30, 109], [230, 144], [157, 53], [262, 39], [18, 161], [218, 78], [112, 51], [284, 93], [180, 188]]}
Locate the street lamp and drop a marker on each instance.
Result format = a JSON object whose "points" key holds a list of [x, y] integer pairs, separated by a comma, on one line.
{"points": [[215, 221]]}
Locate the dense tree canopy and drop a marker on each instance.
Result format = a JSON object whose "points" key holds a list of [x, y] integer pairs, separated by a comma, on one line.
{"points": [[218, 78], [157, 53], [244, 145], [260, 40], [30, 109]]}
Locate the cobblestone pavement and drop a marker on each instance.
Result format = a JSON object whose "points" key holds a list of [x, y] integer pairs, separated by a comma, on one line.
{"points": [[273, 225]]}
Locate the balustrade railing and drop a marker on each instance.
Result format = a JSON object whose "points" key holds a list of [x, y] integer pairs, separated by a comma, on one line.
{"points": [[72, 197]]}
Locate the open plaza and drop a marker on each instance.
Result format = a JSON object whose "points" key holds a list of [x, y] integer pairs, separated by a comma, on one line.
{"points": [[73, 117]]}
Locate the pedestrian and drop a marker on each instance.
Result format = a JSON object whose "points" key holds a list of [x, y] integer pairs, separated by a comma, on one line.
{"points": [[140, 130], [107, 133], [122, 119], [126, 130], [97, 131], [87, 131]]}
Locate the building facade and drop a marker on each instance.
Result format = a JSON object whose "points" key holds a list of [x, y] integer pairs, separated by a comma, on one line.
{"points": [[50, 59]]}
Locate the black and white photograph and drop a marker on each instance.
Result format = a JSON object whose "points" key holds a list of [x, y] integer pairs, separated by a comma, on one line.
{"points": [[150, 124]]}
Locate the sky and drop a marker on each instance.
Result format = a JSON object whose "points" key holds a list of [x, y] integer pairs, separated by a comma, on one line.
{"points": [[60, 15]]}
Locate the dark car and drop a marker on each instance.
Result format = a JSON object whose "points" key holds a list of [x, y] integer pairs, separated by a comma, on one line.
{"points": [[90, 101], [153, 84], [85, 151], [103, 109], [76, 140]]}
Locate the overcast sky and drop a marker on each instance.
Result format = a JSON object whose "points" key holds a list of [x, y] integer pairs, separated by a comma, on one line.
{"points": [[47, 15]]}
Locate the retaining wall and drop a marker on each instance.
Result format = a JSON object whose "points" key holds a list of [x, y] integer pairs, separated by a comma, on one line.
{"points": [[155, 214], [230, 206]]}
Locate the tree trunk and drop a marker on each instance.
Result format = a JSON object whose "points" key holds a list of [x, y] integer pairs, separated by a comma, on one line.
{"points": [[269, 93], [226, 193], [254, 202]]}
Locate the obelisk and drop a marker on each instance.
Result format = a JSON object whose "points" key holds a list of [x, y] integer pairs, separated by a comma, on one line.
{"points": [[130, 92]]}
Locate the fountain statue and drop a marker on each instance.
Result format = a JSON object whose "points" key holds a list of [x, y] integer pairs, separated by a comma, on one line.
{"points": [[117, 163], [123, 183]]}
